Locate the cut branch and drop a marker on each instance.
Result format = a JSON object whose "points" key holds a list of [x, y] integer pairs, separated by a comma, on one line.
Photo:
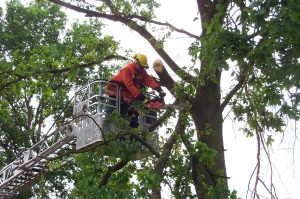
{"points": [[165, 79]]}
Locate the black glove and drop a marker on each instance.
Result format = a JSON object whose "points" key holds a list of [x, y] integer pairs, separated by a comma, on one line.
{"points": [[142, 98], [161, 92]]}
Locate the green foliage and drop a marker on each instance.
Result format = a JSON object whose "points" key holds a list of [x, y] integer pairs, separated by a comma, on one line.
{"points": [[144, 8], [220, 190], [274, 77], [91, 168], [146, 180], [182, 89], [179, 174], [206, 154], [40, 62]]}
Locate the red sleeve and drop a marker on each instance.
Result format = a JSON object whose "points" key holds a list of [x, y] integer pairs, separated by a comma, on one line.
{"points": [[149, 81], [127, 77]]}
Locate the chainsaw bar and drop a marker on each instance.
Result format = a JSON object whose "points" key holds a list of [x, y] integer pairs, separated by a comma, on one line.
{"points": [[174, 106], [159, 105]]}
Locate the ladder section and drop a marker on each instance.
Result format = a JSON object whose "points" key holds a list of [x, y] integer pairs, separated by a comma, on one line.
{"points": [[32, 162], [91, 107]]}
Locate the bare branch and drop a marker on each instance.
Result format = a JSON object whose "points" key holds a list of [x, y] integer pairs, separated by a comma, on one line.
{"points": [[165, 24], [145, 19], [245, 68], [261, 144], [136, 27]]}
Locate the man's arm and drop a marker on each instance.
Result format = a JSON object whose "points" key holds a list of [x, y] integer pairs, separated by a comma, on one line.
{"points": [[127, 77], [150, 82]]}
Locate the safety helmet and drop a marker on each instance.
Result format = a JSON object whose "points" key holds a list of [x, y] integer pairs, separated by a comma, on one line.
{"points": [[141, 59]]}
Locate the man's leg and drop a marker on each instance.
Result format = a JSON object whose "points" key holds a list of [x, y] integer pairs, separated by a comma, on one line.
{"points": [[134, 118]]}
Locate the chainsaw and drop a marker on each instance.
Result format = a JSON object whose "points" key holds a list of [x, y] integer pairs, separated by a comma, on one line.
{"points": [[158, 103]]}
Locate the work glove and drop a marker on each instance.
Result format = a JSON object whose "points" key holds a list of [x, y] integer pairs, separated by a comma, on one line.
{"points": [[161, 93], [142, 98]]}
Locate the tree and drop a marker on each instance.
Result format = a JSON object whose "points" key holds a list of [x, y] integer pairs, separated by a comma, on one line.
{"points": [[257, 42], [260, 39], [41, 60]]}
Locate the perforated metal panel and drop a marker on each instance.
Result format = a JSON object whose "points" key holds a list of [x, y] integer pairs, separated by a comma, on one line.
{"points": [[90, 109], [89, 132]]}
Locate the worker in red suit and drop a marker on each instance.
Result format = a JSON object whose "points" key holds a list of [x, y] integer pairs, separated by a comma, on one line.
{"points": [[133, 77]]}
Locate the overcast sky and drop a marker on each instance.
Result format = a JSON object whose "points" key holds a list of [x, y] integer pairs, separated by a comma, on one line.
{"points": [[241, 151]]}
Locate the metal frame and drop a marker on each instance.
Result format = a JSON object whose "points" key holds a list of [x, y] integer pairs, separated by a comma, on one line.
{"points": [[33, 161], [90, 103]]}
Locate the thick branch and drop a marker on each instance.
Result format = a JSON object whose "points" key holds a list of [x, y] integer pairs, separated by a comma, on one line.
{"points": [[139, 29], [111, 170], [165, 79], [160, 120], [232, 93], [164, 157], [206, 10]]}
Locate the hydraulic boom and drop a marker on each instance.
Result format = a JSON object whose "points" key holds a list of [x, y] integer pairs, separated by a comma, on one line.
{"points": [[84, 131]]}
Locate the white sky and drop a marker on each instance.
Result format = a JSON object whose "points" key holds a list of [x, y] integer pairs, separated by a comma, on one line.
{"points": [[241, 151]]}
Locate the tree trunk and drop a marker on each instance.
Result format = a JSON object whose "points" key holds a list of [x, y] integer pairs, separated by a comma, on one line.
{"points": [[208, 121]]}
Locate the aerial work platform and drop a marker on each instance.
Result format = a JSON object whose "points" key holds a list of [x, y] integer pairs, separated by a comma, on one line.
{"points": [[86, 130]]}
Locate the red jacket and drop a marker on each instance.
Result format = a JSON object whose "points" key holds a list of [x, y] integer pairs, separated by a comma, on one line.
{"points": [[132, 79]]}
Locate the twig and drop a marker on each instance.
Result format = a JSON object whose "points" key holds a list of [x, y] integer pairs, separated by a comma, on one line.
{"points": [[165, 24], [258, 140]]}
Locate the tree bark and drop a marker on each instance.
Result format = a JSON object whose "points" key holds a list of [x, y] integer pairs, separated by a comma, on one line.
{"points": [[208, 121], [206, 106]]}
